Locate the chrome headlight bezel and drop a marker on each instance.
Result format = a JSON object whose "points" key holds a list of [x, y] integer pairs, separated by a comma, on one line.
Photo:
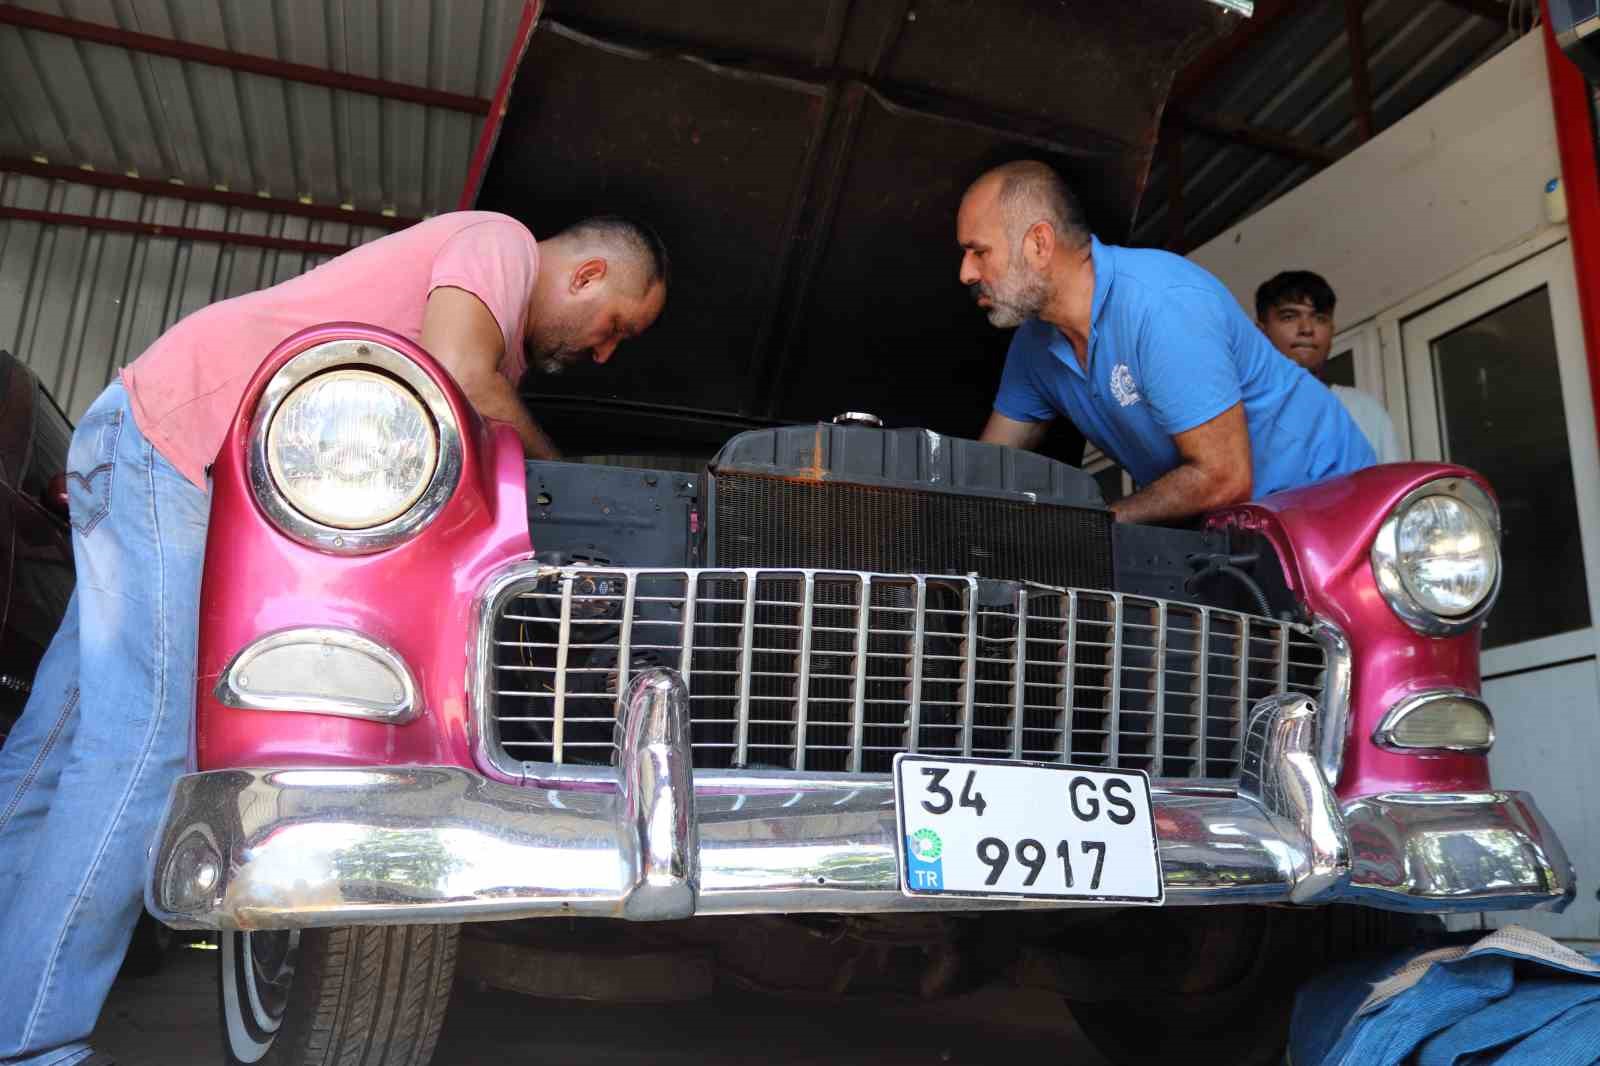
{"points": [[1385, 556], [354, 355]]}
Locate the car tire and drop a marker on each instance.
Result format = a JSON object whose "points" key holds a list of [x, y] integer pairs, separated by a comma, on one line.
{"points": [[293, 998], [1237, 1010], [147, 951]]}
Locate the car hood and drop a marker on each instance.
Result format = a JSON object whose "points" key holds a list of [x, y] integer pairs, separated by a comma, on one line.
{"points": [[803, 163]]}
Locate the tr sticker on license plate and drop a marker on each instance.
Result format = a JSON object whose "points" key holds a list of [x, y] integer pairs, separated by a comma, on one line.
{"points": [[987, 828]]}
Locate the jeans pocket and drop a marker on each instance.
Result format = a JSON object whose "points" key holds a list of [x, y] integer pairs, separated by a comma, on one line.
{"points": [[91, 464]]}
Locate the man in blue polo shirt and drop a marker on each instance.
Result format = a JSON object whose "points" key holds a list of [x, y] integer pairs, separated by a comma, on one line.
{"points": [[1151, 358]]}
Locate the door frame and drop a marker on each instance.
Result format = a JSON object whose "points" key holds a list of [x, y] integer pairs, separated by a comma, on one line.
{"points": [[1545, 263]]}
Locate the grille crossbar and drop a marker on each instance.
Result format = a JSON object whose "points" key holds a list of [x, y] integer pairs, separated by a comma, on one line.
{"points": [[837, 671]]}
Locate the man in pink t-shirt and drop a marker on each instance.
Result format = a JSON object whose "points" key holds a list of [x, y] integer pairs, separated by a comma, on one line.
{"points": [[85, 773]]}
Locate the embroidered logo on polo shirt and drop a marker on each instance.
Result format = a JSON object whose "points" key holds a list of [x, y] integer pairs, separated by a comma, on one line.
{"points": [[1122, 386]]}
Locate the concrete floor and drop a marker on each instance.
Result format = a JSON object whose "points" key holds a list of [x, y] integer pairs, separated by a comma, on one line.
{"points": [[171, 1020]]}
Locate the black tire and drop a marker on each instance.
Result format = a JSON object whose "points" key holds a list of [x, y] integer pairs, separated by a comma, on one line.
{"points": [[1237, 1011], [148, 950], [365, 995]]}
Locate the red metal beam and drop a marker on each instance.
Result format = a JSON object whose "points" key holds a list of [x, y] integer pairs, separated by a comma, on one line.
{"points": [[1175, 219], [1580, 174], [181, 233], [1228, 129], [197, 195], [1360, 80], [502, 96], [115, 37]]}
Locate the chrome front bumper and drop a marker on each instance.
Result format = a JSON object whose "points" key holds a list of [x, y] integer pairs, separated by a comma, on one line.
{"points": [[290, 848]]}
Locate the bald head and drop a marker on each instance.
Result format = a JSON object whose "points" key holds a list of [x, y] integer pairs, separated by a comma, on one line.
{"points": [[1028, 192], [627, 246]]}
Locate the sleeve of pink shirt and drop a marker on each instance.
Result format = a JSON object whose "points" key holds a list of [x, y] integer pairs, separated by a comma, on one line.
{"points": [[497, 261]]}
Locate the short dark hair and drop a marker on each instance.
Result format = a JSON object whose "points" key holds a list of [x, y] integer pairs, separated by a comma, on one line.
{"points": [[634, 239], [1033, 191], [1295, 285]]}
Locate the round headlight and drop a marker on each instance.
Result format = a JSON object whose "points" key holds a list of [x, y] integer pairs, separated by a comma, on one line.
{"points": [[1448, 555], [1437, 556], [351, 449]]}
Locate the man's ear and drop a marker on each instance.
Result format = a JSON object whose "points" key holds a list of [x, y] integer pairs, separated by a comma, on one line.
{"points": [[588, 273], [1039, 243]]}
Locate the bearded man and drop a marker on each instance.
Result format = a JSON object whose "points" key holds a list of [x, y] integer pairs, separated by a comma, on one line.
{"points": [[85, 774], [1149, 355]]}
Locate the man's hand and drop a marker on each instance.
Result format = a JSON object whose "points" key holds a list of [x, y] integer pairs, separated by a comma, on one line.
{"points": [[1215, 472], [1013, 434], [459, 331]]}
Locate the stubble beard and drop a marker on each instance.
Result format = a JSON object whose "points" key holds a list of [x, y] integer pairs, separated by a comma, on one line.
{"points": [[1017, 297]]}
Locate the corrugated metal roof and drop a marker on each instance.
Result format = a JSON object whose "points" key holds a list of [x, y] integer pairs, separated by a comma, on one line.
{"points": [[76, 304], [121, 111], [1297, 80]]}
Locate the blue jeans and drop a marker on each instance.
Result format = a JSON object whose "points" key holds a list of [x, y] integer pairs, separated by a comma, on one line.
{"points": [[85, 775]]}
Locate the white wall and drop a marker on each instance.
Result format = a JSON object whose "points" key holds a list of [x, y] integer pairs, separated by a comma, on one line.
{"points": [[1459, 178]]}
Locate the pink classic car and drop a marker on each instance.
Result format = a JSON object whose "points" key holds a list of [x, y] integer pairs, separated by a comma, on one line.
{"points": [[844, 707]]}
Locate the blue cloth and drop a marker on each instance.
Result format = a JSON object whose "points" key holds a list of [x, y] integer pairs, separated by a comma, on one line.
{"points": [[1171, 349], [85, 775], [1493, 1006]]}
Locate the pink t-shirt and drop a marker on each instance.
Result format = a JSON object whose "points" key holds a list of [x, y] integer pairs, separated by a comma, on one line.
{"points": [[186, 387]]}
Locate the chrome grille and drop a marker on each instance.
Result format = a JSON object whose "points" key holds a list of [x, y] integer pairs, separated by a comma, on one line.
{"points": [[827, 671]]}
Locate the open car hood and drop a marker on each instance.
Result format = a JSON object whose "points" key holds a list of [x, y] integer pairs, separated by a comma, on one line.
{"points": [[803, 163]]}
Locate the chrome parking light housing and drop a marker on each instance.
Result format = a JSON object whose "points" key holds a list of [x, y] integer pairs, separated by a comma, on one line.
{"points": [[1422, 723], [382, 363], [321, 670]]}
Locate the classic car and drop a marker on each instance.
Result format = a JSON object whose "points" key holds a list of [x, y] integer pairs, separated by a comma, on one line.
{"points": [[36, 575], [35, 549], [842, 701]]}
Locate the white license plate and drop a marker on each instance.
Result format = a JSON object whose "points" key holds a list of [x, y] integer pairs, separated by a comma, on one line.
{"points": [[985, 828]]}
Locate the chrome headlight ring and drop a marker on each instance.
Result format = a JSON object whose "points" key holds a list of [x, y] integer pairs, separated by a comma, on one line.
{"points": [[354, 354], [1385, 557]]}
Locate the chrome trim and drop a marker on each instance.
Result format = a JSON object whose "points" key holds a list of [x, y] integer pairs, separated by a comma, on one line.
{"points": [[661, 858], [292, 848], [1383, 736], [857, 418], [446, 473], [1482, 851], [234, 690], [1280, 773], [1335, 722], [1385, 559], [915, 672]]}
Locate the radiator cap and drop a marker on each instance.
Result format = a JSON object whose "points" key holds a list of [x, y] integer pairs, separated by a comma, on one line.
{"points": [[857, 418]]}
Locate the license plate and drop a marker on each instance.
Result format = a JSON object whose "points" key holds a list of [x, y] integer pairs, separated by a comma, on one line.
{"points": [[984, 828]]}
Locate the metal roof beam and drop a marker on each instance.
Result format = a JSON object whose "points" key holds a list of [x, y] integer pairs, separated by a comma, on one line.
{"points": [[115, 37], [1214, 60], [199, 195], [1488, 9], [181, 233], [1228, 129]]}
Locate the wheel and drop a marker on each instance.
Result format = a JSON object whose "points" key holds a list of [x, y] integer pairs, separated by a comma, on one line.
{"points": [[299, 997], [147, 951], [1220, 987]]}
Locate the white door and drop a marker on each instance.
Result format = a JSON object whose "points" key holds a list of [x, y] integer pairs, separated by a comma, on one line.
{"points": [[1356, 361], [1496, 380]]}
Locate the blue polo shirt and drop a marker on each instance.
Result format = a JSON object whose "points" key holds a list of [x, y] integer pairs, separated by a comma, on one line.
{"points": [[1171, 349]]}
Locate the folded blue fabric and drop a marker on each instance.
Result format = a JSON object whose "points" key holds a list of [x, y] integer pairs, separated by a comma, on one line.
{"points": [[1514, 998]]}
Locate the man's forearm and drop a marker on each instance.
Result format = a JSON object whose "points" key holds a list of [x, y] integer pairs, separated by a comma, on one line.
{"points": [[497, 399], [1179, 493]]}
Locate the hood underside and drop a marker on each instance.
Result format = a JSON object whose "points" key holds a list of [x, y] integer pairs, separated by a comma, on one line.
{"points": [[803, 163]]}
